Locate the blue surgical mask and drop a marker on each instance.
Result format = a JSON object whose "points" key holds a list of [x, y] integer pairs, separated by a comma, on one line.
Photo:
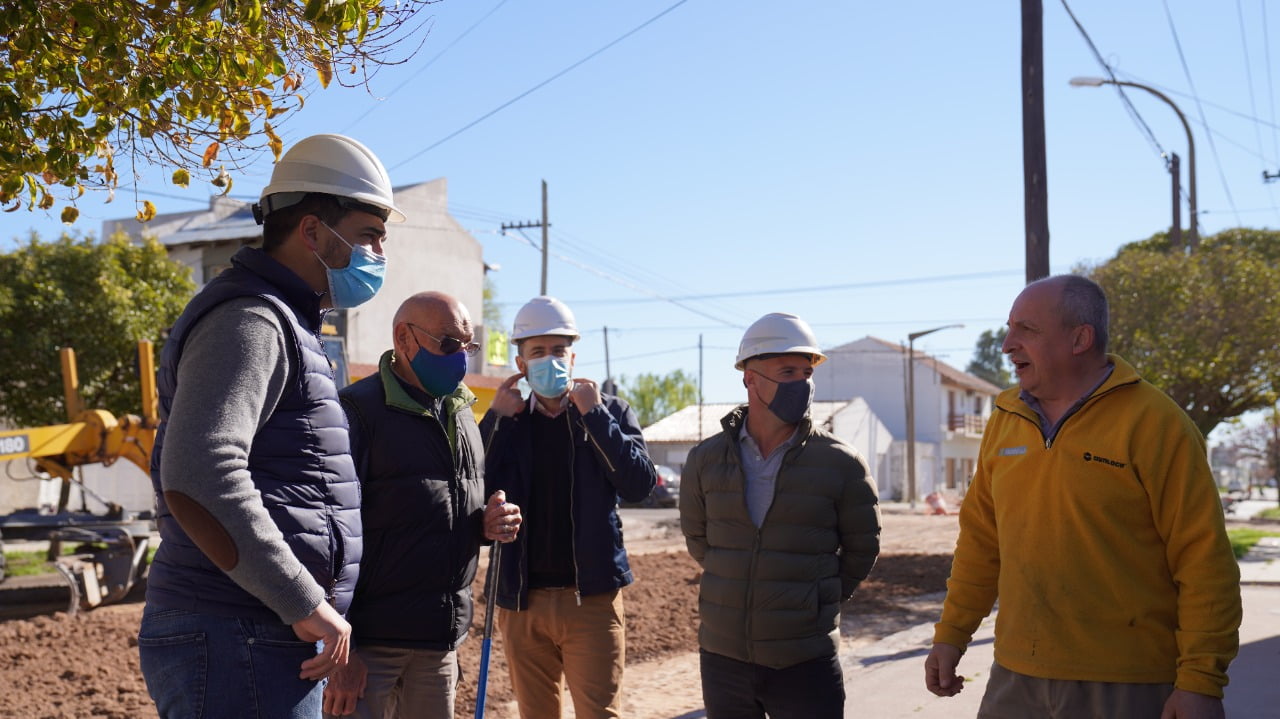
{"points": [[360, 280], [548, 376], [439, 374]]}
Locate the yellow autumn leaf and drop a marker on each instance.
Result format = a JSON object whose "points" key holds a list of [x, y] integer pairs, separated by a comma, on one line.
{"points": [[181, 177], [69, 215], [273, 141], [148, 211], [324, 71]]}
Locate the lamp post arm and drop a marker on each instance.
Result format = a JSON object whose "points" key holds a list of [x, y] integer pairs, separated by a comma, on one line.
{"points": [[1193, 234]]}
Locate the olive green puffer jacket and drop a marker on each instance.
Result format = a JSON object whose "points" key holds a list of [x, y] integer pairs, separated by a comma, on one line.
{"points": [[771, 595]]}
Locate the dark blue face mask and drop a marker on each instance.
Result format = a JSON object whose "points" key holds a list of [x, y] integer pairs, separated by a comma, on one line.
{"points": [[439, 374], [791, 402]]}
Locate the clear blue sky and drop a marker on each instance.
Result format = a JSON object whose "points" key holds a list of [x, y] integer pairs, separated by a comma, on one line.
{"points": [[856, 163]]}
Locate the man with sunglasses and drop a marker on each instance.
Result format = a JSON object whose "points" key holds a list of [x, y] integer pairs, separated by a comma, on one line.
{"points": [[418, 455], [256, 495], [565, 455]]}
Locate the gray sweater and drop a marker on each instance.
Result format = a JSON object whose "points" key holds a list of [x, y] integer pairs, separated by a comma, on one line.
{"points": [[234, 369]]}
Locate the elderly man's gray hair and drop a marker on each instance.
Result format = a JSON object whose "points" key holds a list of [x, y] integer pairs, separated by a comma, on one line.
{"points": [[1084, 303]]}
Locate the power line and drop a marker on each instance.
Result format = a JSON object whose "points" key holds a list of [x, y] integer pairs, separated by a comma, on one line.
{"points": [[829, 288], [1186, 71], [634, 272], [1271, 93], [535, 88], [1253, 103], [1124, 97], [423, 69], [656, 296]]}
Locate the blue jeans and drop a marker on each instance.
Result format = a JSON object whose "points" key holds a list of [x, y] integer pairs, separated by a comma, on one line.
{"points": [[201, 666], [737, 690]]}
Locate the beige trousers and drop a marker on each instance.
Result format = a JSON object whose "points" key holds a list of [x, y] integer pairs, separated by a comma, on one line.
{"points": [[1011, 695], [556, 642]]}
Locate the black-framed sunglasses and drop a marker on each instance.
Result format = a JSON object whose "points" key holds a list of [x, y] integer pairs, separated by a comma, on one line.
{"points": [[450, 345]]}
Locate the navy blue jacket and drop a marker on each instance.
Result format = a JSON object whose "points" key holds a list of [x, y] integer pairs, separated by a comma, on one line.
{"points": [[609, 461], [299, 460], [422, 484]]}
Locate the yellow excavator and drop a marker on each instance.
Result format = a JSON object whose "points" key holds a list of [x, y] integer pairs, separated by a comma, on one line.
{"points": [[112, 547]]}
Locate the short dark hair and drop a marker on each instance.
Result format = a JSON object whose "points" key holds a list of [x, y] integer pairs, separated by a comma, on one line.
{"points": [[1084, 303], [331, 209], [520, 342]]}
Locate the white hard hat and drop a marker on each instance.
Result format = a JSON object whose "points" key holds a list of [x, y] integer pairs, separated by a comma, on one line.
{"points": [[332, 164], [544, 315], [778, 333]]}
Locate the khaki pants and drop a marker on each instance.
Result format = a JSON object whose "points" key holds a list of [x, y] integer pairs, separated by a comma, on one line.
{"points": [[407, 684], [1011, 695], [555, 641]]}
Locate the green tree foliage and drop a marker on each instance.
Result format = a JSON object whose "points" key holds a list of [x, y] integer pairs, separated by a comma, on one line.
{"points": [[98, 298], [1203, 327], [185, 84], [989, 362], [655, 396]]}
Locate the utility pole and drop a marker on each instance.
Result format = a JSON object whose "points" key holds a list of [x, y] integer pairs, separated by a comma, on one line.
{"points": [[608, 387], [1175, 230], [699, 387], [911, 409], [1034, 165], [545, 225]]}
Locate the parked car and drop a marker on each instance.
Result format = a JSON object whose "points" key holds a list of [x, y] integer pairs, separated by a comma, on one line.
{"points": [[666, 491]]}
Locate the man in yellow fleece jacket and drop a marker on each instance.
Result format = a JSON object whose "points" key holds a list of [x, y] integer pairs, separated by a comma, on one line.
{"points": [[1094, 517]]}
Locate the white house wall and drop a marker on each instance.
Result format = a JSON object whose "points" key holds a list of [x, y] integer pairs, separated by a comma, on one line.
{"points": [[868, 370]]}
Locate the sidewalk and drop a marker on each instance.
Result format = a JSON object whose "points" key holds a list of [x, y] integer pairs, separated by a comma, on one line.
{"points": [[886, 679]]}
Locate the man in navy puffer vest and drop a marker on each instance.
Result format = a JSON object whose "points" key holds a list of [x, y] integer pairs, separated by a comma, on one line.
{"points": [[257, 500]]}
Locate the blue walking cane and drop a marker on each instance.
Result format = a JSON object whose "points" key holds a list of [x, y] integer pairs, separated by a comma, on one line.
{"points": [[490, 601]]}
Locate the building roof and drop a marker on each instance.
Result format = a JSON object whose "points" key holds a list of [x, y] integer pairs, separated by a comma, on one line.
{"points": [[682, 426], [948, 373]]}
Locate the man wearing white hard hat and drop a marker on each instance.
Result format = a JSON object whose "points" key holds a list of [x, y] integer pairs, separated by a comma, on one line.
{"points": [[783, 518], [565, 454], [258, 504]]}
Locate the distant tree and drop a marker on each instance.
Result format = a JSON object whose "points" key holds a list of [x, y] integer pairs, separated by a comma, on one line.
{"points": [[497, 350], [1260, 440], [655, 396], [491, 312], [989, 361], [97, 298], [92, 90], [1203, 327]]}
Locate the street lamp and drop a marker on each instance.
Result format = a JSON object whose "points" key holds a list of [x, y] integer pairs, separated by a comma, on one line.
{"points": [[1193, 236], [911, 409]]}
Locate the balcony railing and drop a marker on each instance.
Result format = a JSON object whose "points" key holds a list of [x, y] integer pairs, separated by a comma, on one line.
{"points": [[966, 423]]}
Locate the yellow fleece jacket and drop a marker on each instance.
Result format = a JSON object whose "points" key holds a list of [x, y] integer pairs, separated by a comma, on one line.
{"points": [[1106, 547]]}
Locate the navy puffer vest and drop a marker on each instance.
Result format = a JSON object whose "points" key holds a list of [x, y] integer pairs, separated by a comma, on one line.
{"points": [[300, 459], [422, 512]]}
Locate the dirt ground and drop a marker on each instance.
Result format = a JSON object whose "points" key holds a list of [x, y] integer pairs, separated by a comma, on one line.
{"points": [[62, 667]]}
